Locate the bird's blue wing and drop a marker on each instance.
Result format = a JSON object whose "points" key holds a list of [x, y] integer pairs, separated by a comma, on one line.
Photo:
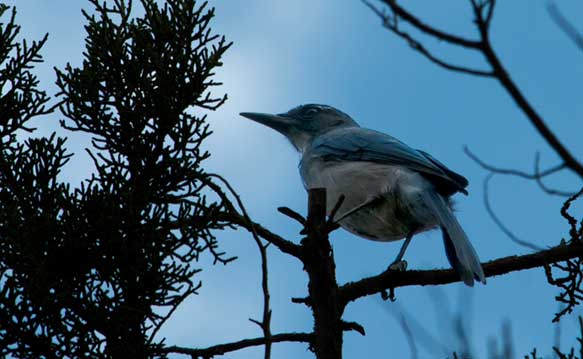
{"points": [[359, 144], [455, 177]]}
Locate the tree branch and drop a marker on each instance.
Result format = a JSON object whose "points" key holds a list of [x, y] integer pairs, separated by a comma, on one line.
{"points": [[283, 244], [265, 323], [234, 217], [241, 344], [430, 30], [538, 122], [391, 23], [512, 171], [484, 46], [538, 175], [567, 27], [319, 264], [520, 100], [499, 223], [391, 279]]}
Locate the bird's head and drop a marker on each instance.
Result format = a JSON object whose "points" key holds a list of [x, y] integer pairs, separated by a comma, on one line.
{"points": [[303, 123]]}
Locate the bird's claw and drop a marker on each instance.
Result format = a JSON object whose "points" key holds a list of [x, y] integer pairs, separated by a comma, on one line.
{"points": [[398, 266]]}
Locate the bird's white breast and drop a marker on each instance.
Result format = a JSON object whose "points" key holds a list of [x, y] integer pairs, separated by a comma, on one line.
{"points": [[398, 189]]}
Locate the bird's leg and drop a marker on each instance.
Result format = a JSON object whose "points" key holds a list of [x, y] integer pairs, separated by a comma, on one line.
{"points": [[399, 264]]}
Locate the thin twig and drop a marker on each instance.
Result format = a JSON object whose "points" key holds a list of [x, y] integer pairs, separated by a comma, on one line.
{"points": [[499, 223], [353, 326], [292, 214], [233, 217], [510, 171], [428, 29], [538, 178], [238, 345], [336, 208], [420, 334], [265, 323], [575, 235], [490, 13], [567, 27], [281, 243], [331, 223], [409, 335], [391, 23], [191, 289]]}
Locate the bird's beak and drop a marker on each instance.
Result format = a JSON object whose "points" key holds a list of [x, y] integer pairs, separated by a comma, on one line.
{"points": [[279, 123]]}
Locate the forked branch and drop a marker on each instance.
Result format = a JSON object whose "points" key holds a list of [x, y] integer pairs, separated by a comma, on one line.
{"points": [[483, 14]]}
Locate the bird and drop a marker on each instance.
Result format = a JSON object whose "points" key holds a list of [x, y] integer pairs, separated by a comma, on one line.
{"points": [[391, 191]]}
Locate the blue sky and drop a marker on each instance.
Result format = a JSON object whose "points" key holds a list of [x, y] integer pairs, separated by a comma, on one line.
{"points": [[287, 53]]}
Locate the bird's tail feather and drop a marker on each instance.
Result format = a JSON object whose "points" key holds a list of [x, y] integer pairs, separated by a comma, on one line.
{"points": [[461, 254]]}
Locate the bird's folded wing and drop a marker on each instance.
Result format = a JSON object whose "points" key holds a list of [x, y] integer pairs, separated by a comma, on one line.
{"points": [[359, 144]]}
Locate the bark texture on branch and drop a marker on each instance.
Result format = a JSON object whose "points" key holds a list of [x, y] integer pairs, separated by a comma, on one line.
{"points": [[323, 288], [391, 279]]}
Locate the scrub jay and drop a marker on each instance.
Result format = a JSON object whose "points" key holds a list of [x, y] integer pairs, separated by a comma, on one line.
{"points": [[391, 190]]}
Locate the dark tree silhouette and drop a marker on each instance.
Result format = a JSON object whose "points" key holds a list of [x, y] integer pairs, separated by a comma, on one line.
{"points": [[87, 272]]}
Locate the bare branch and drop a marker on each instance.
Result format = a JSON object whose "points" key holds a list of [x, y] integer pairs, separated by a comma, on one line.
{"points": [[570, 161], [172, 310], [499, 223], [292, 214], [490, 13], [482, 22], [353, 326], [391, 23], [331, 223], [486, 5], [575, 234], [569, 281], [391, 279], [234, 217], [428, 29], [336, 208], [510, 171], [409, 335], [419, 47], [545, 188], [538, 175], [418, 331], [207, 353], [319, 264], [306, 301], [506, 81], [265, 323], [283, 244], [564, 24]]}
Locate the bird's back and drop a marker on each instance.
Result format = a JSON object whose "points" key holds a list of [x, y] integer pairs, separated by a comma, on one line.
{"points": [[364, 145], [347, 166]]}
